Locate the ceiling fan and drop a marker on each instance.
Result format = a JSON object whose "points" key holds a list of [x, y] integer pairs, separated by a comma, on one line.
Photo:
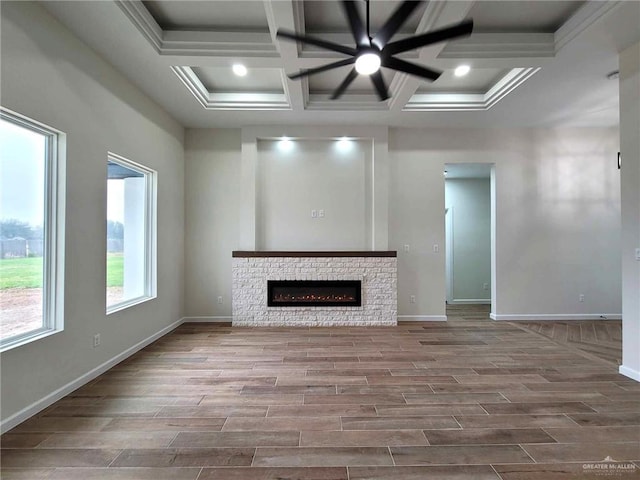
{"points": [[373, 52]]}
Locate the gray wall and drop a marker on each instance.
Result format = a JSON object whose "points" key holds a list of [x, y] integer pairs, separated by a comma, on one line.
{"points": [[50, 76], [468, 201], [558, 217]]}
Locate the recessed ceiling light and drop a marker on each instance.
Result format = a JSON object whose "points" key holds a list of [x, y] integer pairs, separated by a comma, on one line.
{"points": [[368, 63], [285, 144], [462, 70], [344, 144], [239, 69]]}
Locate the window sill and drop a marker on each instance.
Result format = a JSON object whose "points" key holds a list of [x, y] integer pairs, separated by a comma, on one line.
{"points": [[129, 303], [24, 340]]}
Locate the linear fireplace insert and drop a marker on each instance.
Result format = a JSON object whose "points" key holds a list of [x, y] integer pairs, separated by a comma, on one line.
{"points": [[314, 293]]}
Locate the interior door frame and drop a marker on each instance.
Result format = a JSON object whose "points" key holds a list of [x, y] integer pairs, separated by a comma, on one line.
{"points": [[448, 229]]}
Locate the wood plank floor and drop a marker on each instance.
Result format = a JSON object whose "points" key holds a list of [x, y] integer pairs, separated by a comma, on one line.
{"points": [[465, 399], [602, 338]]}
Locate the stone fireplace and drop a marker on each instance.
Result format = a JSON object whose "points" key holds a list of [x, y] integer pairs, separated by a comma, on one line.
{"points": [[314, 288]]}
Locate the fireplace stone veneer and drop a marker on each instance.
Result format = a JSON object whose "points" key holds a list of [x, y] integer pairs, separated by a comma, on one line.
{"points": [[377, 272]]}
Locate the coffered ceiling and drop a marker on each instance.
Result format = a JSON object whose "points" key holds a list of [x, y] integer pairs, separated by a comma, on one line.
{"points": [[532, 62]]}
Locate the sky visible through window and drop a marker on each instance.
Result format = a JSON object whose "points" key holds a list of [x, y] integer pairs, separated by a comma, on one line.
{"points": [[115, 200], [22, 156]]}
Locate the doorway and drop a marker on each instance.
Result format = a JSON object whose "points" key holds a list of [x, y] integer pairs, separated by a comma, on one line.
{"points": [[469, 234]]}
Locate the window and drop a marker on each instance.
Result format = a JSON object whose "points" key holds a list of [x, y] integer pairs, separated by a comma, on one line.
{"points": [[131, 233], [31, 230]]}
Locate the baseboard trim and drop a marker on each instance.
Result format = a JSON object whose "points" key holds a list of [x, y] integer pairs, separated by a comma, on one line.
{"points": [[28, 412], [556, 317], [629, 372], [470, 301], [207, 319], [422, 318]]}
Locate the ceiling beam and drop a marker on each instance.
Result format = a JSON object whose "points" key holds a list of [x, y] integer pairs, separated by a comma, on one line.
{"points": [[285, 14], [436, 15]]}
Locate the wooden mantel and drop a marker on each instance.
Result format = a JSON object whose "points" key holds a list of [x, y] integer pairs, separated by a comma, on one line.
{"points": [[297, 254]]}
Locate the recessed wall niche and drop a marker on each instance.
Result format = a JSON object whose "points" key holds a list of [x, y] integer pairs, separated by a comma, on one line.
{"points": [[313, 194]]}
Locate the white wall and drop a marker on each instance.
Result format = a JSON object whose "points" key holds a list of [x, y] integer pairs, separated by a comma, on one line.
{"points": [[558, 217], [311, 175], [49, 75], [212, 212], [468, 201], [416, 218], [558, 224], [630, 148]]}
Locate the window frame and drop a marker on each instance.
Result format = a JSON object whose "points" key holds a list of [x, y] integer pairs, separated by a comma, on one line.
{"points": [[53, 260], [150, 233]]}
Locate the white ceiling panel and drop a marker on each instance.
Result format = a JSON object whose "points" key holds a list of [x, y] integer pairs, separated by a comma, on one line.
{"points": [[534, 62], [540, 16], [222, 80], [479, 80], [327, 82], [328, 16], [218, 15]]}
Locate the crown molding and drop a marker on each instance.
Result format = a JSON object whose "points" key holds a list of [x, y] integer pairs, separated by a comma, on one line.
{"points": [[584, 17], [422, 102], [196, 43], [218, 43], [347, 102], [507, 84], [449, 102], [229, 100], [501, 45], [138, 14]]}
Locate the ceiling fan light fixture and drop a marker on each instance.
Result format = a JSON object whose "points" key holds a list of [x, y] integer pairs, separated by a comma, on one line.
{"points": [[462, 70], [372, 52], [368, 63]]}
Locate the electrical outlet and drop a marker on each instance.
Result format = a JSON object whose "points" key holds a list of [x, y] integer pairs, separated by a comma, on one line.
{"points": [[321, 213], [219, 299], [96, 340], [412, 299], [581, 298], [314, 214], [485, 286], [638, 254], [436, 248], [407, 248]]}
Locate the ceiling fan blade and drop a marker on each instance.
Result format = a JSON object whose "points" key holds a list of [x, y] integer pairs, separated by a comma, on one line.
{"points": [[381, 88], [355, 22], [462, 29], [323, 68], [345, 83], [394, 22], [411, 68], [335, 47]]}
